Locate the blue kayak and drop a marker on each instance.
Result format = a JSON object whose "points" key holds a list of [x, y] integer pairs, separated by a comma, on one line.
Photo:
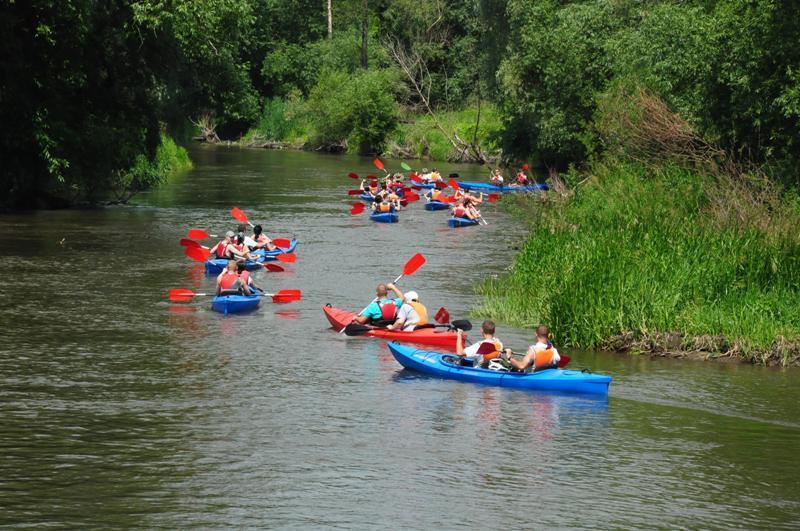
{"points": [[367, 197], [461, 222], [385, 217], [423, 186], [226, 304], [444, 365], [214, 266], [486, 187], [436, 205]]}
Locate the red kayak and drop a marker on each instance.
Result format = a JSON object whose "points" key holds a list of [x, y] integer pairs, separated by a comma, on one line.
{"points": [[427, 336]]}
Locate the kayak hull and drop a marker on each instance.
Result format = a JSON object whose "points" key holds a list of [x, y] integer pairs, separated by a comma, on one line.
{"points": [[226, 304], [385, 217], [367, 197], [436, 205], [461, 222], [437, 337], [444, 365], [486, 187], [214, 266]]}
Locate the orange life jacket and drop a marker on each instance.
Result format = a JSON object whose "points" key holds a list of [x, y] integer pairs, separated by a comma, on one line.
{"points": [[385, 207], [544, 358], [435, 194], [228, 280], [490, 349]]}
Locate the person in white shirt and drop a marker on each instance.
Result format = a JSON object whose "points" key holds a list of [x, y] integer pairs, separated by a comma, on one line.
{"points": [[411, 314], [483, 351], [541, 355]]}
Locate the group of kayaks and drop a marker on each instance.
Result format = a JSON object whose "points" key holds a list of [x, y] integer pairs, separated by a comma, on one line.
{"points": [[214, 266], [450, 366]]}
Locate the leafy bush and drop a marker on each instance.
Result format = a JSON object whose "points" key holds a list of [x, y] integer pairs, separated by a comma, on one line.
{"points": [[359, 108]]}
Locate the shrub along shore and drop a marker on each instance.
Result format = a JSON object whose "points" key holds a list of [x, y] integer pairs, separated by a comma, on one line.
{"points": [[668, 263]]}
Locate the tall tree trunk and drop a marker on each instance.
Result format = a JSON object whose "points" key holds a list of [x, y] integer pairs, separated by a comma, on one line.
{"points": [[364, 35], [330, 19]]}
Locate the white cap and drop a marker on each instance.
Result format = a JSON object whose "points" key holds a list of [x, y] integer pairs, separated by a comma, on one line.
{"points": [[411, 296], [229, 234]]}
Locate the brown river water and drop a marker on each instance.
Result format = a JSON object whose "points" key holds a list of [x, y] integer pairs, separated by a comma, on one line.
{"points": [[119, 409]]}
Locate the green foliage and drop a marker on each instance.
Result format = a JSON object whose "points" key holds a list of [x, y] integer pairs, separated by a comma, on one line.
{"points": [[281, 120], [636, 252], [359, 108], [420, 134]]}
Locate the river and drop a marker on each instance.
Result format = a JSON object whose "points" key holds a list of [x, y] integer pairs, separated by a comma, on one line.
{"points": [[119, 409]]}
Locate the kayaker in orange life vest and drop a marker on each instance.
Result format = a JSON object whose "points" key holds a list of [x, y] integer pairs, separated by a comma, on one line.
{"points": [[229, 282], [483, 351], [411, 314], [541, 355], [383, 309]]}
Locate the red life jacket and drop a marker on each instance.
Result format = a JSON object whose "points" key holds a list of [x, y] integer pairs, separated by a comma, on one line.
{"points": [[460, 212], [228, 280], [219, 249], [388, 310], [239, 247]]}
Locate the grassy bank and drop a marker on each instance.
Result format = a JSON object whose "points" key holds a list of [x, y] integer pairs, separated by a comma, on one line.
{"points": [[673, 261], [289, 123]]}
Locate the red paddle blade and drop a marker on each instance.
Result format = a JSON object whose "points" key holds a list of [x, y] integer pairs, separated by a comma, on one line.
{"points": [[378, 164], [493, 198], [197, 234], [186, 242], [198, 254], [273, 268], [287, 258], [352, 175], [412, 265], [411, 196], [563, 361], [282, 242], [357, 209], [239, 215], [180, 295], [413, 176], [454, 184], [287, 295], [372, 177], [525, 167], [442, 316], [355, 192]]}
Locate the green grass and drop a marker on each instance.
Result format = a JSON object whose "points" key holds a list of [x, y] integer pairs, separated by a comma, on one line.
{"points": [[633, 252], [420, 134]]}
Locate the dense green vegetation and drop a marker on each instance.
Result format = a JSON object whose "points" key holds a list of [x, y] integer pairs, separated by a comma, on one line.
{"points": [[87, 88]]}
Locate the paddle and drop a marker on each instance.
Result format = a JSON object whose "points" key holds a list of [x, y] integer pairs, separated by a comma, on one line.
{"points": [[199, 234], [411, 197], [283, 296], [355, 192], [493, 198], [352, 175], [414, 263], [525, 167], [405, 166], [378, 164], [186, 242], [442, 316], [198, 254], [415, 178], [454, 184], [273, 268], [355, 329], [357, 209], [286, 258], [239, 215]]}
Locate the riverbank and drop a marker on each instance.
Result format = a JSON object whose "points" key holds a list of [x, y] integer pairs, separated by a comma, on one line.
{"points": [[444, 136], [665, 263]]}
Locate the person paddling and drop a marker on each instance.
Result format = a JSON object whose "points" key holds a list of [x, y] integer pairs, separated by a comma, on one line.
{"points": [[261, 239], [383, 310], [497, 177], [220, 250], [229, 282], [246, 278], [483, 351], [411, 314], [541, 355], [522, 178], [237, 250]]}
